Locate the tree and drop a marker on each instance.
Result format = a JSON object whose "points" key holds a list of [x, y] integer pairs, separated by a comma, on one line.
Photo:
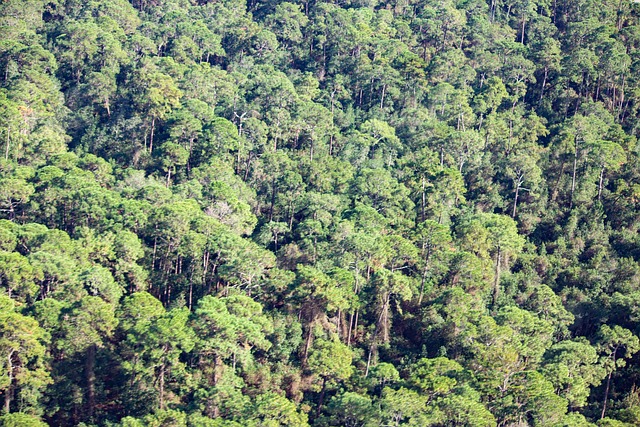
{"points": [[611, 156], [318, 295], [22, 346], [572, 367], [173, 155], [88, 325], [579, 134], [20, 419], [18, 276], [433, 239], [137, 314], [168, 338], [158, 96], [273, 410], [229, 330], [522, 169], [611, 341], [498, 236], [405, 405], [350, 410], [10, 113], [378, 189], [287, 22], [331, 361]]}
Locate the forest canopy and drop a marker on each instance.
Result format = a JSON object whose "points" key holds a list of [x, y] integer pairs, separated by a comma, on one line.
{"points": [[364, 213]]}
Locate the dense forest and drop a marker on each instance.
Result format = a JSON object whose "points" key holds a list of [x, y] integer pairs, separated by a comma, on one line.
{"points": [[360, 213]]}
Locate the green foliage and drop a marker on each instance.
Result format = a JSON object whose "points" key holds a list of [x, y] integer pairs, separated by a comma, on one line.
{"points": [[363, 213], [24, 376], [19, 419], [331, 360]]}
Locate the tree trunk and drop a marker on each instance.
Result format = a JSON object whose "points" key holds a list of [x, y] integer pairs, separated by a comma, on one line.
{"points": [[355, 325], [573, 174], [496, 280], [606, 396], [544, 81], [606, 391], [153, 129], [366, 372], [350, 328], [163, 368], [423, 202], [6, 150], [515, 200], [9, 390], [427, 257], [384, 317], [321, 400], [90, 378], [600, 184], [217, 369], [424, 279], [307, 345]]}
